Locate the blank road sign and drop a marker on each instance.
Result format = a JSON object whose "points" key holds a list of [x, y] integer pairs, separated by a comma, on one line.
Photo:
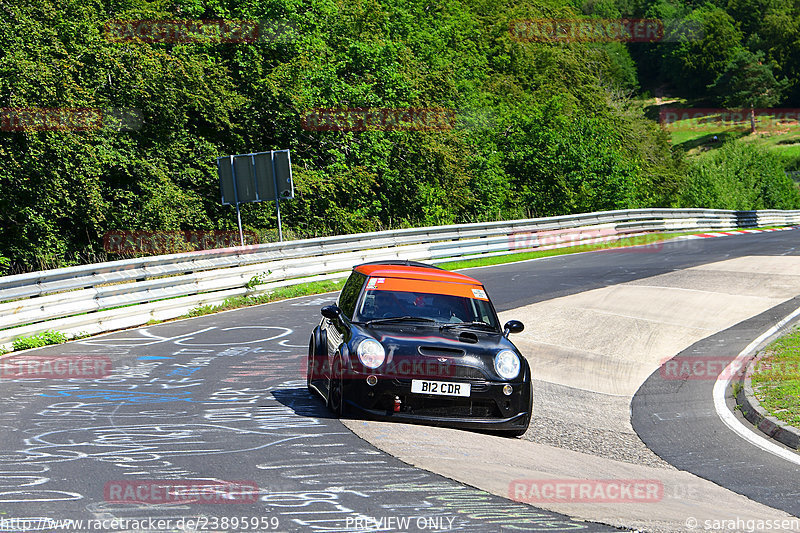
{"points": [[266, 185], [282, 179], [226, 180], [255, 181], [283, 174], [245, 179]]}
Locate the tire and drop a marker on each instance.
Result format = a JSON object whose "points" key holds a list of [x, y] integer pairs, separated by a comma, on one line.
{"points": [[311, 363], [336, 399]]}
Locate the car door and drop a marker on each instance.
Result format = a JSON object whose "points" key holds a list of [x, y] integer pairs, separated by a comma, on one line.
{"points": [[338, 330]]}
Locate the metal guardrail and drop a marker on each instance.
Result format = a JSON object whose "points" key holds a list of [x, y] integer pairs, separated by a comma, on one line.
{"points": [[100, 297]]}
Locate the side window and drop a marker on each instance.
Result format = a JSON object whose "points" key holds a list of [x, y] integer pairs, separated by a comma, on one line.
{"points": [[482, 312], [349, 294]]}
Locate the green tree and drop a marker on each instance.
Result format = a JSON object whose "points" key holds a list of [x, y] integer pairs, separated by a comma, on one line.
{"points": [[540, 127], [779, 38], [740, 176], [748, 82], [564, 162], [749, 14], [696, 63]]}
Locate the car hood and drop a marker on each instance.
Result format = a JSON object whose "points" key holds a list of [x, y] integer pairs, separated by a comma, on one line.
{"points": [[449, 343], [429, 353]]}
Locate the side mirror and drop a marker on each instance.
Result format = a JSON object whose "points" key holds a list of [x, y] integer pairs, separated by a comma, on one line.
{"points": [[513, 326], [331, 312]]}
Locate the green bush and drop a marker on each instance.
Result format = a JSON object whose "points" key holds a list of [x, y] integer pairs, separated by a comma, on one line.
{"points": [[37, 341], [63, 191], [539, 128], [740, 176]]}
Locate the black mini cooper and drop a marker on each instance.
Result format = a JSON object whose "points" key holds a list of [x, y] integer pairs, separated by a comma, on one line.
{"points": [[415, 343]]}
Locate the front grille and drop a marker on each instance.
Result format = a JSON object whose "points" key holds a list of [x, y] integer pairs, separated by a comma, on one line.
{"points": [[475, 386], [443, 373], [447, 408], [440, 351], [467, 372]]}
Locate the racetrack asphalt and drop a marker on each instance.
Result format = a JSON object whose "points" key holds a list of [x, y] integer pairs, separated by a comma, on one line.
{"points": [[223, 397], [676, 420], [587, 348]]}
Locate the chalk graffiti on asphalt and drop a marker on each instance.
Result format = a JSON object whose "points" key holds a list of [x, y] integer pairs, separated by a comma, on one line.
{"points": [[151, 416]]}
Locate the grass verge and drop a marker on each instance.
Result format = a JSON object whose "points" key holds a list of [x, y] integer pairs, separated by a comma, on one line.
{"points": [[776, 378], [37, 341], [320, 287], [282, 293], [696, 136], [650, 238]]}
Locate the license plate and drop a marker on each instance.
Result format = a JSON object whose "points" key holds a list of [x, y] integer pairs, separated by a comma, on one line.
{"points": [[442, 388]]}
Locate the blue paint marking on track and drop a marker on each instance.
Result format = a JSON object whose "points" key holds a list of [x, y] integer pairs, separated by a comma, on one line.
{"points": [[122, 396]]}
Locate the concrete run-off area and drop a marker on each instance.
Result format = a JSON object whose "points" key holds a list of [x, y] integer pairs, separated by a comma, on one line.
{"points": [[589, 353]]}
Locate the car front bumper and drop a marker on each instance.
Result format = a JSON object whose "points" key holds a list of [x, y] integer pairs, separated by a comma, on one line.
{"points": [[487, 407]]}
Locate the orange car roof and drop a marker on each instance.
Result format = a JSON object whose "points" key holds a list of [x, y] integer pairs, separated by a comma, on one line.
{"points": [[415, 272]]}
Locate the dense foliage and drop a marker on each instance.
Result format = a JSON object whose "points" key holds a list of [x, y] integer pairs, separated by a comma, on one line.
{"points": [[541, 128], [740, 176]]}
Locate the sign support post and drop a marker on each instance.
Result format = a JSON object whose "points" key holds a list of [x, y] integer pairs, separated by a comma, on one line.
{"points": [[277, 199], [256, 177], [236, 200]]}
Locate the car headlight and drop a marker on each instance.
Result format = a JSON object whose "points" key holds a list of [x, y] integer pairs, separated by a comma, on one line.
{"points": [[371, 353], [506, 364]]}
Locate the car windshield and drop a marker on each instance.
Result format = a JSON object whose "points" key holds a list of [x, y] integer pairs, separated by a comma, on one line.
{"points": [[442, 308]]}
